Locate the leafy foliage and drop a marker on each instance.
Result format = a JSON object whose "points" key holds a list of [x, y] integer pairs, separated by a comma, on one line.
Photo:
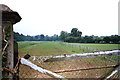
{"points": [[42, 37], [75, 36], [76, 33]]}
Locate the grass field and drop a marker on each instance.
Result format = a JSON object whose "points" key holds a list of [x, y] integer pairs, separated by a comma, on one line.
{"points": [[57, 48], [98, 46]]}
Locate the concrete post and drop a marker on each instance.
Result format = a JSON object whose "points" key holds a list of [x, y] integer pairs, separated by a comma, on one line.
{"points": [[0, 50], [9, 18], [10, 47], [0, 43]]}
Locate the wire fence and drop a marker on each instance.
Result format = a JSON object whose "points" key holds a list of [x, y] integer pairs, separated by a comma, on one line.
{"points": [[105, 67], [28, 72], [83, 48]]}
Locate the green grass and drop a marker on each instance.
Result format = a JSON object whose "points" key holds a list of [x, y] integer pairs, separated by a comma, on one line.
{"points": [[42, 48], [39, 48], [45, 48], [95, 46]]}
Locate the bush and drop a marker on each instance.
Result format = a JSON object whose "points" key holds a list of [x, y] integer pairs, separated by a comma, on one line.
{"points": [[102, 42]]}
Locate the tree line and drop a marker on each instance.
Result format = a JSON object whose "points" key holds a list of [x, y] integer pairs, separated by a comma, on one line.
{"points": [[41, 37], [75, 36]]}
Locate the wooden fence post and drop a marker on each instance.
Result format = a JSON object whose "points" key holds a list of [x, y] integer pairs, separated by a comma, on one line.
{"points": [[16, 57], [9, 18]]}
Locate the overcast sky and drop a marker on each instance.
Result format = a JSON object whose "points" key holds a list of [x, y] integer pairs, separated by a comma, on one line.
{"points": [[92, 17]]}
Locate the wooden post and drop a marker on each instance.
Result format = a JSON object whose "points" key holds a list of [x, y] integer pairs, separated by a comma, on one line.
{"points": [[16, 57], [9, 18], [15, 52]]}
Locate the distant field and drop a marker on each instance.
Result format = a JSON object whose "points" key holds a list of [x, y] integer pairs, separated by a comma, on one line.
{"points": [[99, 46], [42, 48]]}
